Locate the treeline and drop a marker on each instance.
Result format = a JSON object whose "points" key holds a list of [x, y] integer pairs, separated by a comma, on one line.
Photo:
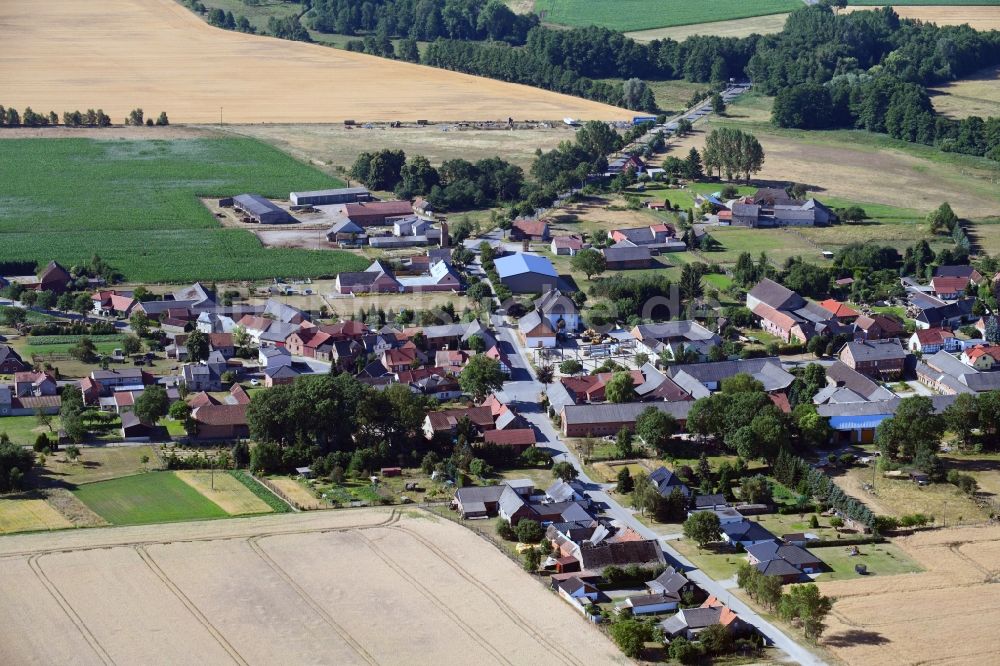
{"points": [[283, 28], [456, 185], [424, 20], [9, 117], [795, 473], [497, 60]]}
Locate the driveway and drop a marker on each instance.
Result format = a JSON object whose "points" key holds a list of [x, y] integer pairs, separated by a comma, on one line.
{"points": [[522, 392]]}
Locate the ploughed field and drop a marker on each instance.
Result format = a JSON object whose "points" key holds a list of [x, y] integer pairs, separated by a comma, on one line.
{"points": [[357, 587], [158, 55]]}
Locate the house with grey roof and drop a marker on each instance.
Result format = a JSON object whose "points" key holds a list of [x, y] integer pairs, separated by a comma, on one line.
{"points": [[676, 337], [882, 359], [559, 309], [701, 379], [625, 255], [666, 482], [598, 420]]}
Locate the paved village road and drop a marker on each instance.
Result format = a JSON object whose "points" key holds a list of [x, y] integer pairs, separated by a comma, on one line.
{"points": [[523, 392]]}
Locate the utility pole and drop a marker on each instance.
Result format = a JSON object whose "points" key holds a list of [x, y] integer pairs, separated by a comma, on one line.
{"points": [[220, 117]]}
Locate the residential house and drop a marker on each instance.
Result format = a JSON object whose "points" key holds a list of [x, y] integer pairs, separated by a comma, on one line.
{"points": [[946, 374], [676, 337], [649, 603], [745, 534], [933, 340], [577, 591], [690, 622], [657, 387], [656, 238], [785, 314], [963, 271], [377, 278], [53, 278], [536, 331], [201, 377], [29, 405], [278, 375], [10, 361], [801, 559], [666, 482], [222, 343], [32, 383], [674, 583], [982, 357], [877, 327], [701, 379], [310, 343], [952, 315], [112, 303], [566, 245], [446, 421], [882, 359], [498, 355], [400, 359], [627, 256], [484, 501], [847, 385], [135, 430], [713, 501], [273, 357], [560, 311], [532, 230], [949, 288], [591, 388], [346, 232], [441, 276], [769, 209]]}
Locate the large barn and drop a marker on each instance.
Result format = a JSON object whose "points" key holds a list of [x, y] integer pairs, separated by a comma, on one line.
{"points": [[260, 210], [326, 197], [527, 273]]}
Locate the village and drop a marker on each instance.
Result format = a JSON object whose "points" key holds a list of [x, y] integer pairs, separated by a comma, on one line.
{"points": [[649, 462]]}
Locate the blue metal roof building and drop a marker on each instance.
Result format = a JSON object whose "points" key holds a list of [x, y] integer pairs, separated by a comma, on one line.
{"points": [[526, 273]]}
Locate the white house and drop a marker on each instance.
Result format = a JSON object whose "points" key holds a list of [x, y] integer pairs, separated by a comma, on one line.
{"points": [[536, 331], [647, 604]]}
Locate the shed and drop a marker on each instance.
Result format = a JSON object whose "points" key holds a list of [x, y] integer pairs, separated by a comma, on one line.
{"points": [[391, 471], [260, 210]]}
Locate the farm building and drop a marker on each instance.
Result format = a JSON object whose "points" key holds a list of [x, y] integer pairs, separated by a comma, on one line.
{"points": [[375, 213], [260, 210], [326, 197], [626, 255], [526, 273]]}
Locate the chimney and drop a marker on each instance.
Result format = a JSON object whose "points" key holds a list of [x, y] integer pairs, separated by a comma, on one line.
{"points": [[445, 240]]}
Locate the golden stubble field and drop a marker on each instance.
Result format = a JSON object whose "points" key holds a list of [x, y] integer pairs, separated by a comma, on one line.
{"points": [[346, 587], [980, 17], [977, 95], [156, 54], [945, 615]]}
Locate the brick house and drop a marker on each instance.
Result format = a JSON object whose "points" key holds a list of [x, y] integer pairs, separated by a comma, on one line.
{"points": [[880, 359]]}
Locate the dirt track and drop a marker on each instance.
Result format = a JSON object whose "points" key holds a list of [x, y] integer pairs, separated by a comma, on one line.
{"points": [[156, 54], [346, 587]]}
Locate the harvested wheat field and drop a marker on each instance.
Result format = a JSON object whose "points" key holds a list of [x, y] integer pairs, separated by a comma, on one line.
{"points": [[977, 95], [945, 615], [760, 25], [156, 54], [980, 17], [232, 496], [835, 164], [22, 515], [346, 587]]}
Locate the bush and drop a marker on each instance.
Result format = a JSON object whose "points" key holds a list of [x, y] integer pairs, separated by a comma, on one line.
{"points": [[276, 503], [684, 651], [504, 530]]}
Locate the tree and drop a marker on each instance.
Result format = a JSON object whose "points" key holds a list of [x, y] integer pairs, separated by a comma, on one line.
{"points": [[962, 417], [570, 367], [656, 428], [703, 527], [716, 639], [131, 345], [733, 152], [630, 635], [240, 336], [623, 443], [625, 483], [684, 651], [913, 425], [84, 351], [942, 220], [693, 169], [481, 376], [589, 262], [718, 104], [532, 560], [690, 284], [504, 530], [197, 345], [162, 120], [992, 333], [806, 604], [139, 323], [565, 471], [638, 96], [15, 464], [14, 316], [152, 404], [546, 374], [756, 489], [529, 531], [620, 387]]}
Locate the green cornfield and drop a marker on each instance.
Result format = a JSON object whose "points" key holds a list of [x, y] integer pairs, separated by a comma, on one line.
{"points": [[135, 203], [626, 15]]}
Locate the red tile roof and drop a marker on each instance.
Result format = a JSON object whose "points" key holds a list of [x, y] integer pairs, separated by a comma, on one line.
{"points": [[933, 336], [512, 437], [838, 309], [780, 319], [531, 227], [221, 415], [949, 285]]}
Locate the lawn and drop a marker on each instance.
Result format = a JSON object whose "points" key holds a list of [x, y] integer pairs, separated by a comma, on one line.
{"points": [[98, 464], [779, 524], [136, 204], [882, 559], [158, 497], [717, 565], [25, 429], [627, 15], [25, 515]]}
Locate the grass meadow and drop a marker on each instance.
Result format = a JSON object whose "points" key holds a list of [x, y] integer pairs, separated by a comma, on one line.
{"points": [[628, 15], [136, 204], [157, 497]]}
